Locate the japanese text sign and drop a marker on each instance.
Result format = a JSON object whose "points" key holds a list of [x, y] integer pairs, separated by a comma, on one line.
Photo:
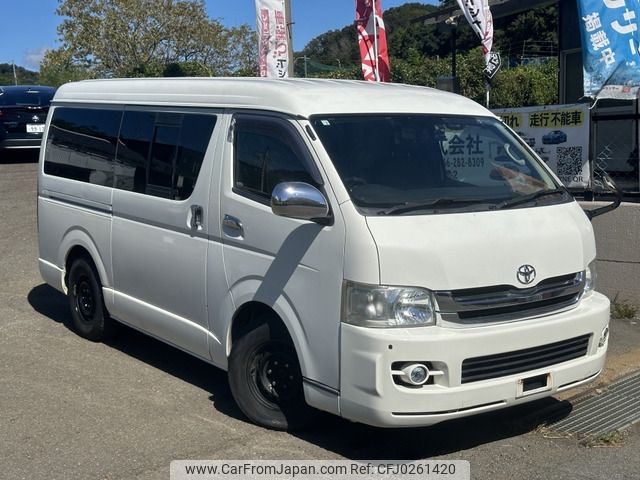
{"points": [[611, 54], [273, 46]]}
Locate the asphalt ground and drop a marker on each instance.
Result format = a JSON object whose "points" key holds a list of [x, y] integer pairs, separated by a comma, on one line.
{"points": [[73, 409]]}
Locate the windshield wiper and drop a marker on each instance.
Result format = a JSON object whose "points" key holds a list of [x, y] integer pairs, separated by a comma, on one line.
{"points": [[512, 202], [436, 202]]}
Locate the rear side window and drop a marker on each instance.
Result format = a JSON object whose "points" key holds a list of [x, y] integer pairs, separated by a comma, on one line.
{"points": [[268, 152], [81, 144], [161, 153], [154, 153]]}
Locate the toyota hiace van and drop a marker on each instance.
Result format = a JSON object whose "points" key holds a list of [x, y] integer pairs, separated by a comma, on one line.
{"points": [[391, 254]]}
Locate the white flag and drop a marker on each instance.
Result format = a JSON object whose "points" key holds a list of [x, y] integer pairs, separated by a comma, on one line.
{"points": [[479, 17], [273, 45]]}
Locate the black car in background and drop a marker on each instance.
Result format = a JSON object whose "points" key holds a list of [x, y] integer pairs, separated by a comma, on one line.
{"points": [[23, 111]]}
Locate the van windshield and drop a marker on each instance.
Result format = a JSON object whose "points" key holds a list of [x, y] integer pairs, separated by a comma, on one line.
{"points": [[424, 164]]}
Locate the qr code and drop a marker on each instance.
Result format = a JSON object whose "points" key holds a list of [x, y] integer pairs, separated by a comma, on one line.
{"points": [[569, 161]]}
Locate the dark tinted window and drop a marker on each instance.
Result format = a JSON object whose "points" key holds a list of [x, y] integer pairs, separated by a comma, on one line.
{"points": [[32, 96], [163, 157], [136, 135], [267, 153], [161, 153], [81, 144]]}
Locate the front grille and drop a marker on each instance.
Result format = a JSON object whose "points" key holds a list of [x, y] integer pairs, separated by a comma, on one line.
{"points": [[507, 303], [511, 363]]}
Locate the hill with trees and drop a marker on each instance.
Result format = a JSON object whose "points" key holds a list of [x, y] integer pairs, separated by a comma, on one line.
{"points": [[420, 53], [24, 76]]}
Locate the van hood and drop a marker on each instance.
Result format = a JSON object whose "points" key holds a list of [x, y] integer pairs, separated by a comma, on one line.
{"points": [[477, 249]]}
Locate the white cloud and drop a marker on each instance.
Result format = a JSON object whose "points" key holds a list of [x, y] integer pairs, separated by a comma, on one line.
{"points": [[33, 57]]}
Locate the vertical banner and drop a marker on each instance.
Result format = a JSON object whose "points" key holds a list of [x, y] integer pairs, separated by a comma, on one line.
{"points": [[479, 16], [372, 40], [273, 46], [559, 134], [610, 51]]}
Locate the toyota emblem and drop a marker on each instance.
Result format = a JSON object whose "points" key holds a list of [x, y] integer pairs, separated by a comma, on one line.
{"points": [[526, 274]]}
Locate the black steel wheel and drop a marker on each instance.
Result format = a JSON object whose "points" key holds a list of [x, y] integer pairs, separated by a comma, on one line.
{"points": [[266, 381], [88, 313]]}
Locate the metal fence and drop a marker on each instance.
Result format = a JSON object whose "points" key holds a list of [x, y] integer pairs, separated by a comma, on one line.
{"points": [[614, 147]]}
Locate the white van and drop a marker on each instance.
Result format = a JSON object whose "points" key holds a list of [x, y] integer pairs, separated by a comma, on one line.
{"points": [[391, 254]]}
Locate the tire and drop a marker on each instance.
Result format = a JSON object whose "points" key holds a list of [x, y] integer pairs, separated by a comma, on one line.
{"points": [[266, 381], [89, 316]]}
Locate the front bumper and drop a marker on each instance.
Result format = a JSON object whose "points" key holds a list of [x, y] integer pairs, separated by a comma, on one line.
{"points": [[368, 393]]}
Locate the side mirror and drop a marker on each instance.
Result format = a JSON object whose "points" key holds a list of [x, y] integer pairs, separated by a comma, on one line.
{"points": [[299, 200], [603, 183]]}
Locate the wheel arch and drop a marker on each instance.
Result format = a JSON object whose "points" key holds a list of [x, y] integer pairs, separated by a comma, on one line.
{"points": [[253, 313], [75, 244]]}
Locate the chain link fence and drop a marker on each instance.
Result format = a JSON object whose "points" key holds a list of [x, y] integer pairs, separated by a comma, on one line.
{"points": [[615, 148]]}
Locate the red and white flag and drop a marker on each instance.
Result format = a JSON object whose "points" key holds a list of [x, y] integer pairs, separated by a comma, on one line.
{"points": [[373, 41], [273, 44]]}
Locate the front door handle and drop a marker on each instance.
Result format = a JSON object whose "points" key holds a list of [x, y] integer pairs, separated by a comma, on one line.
{"points": [[232, 222]]}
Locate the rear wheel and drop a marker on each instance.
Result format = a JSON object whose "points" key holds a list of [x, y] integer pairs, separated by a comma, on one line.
{"points": [[88, 313], [266, 381]]}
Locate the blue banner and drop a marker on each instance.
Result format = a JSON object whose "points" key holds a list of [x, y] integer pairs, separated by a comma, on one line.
{"points": [[610, 47]]}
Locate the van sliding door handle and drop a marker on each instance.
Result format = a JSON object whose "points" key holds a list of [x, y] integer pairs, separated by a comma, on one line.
{"points": [[195, 217], [231, 222]]}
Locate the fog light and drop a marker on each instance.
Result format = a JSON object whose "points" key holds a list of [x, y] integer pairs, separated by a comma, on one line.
{"points": [[415, 374], [604, 337]]}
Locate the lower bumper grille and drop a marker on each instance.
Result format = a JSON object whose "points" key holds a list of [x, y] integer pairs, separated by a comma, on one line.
{"points": [[511, 363]]}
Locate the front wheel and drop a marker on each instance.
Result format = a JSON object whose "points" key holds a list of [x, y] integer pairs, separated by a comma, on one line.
{"points": [[88, 313], [266, 381]]}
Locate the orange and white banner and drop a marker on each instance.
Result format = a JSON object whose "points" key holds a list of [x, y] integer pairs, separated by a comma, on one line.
{"points": [[372, 39], [273, 44]]}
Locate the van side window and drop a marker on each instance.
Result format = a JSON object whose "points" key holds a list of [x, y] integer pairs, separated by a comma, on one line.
{"points": [[81, 144], [161, 153], [266, 153], [134, 144]]}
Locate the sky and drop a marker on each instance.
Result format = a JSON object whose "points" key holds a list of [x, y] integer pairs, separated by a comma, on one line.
{"points": [[28, 27]]}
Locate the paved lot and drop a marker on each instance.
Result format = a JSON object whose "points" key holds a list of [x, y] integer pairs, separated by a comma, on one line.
{"points": [[72, 409]]}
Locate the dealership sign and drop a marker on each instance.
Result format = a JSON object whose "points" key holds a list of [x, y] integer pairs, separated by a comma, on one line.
{"points": [[559, 134]]}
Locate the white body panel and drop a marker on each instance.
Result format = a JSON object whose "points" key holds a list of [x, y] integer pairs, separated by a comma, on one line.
{"points": [[465, 250], [185, 285]]}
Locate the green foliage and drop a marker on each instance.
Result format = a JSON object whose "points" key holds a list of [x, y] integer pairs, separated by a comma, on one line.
{"points": [[623, 309], [58, 67], [141, 38], [24, 76], [526, 85]]}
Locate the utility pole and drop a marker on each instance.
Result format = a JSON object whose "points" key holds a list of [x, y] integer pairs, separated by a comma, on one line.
{"points": [[287, 14], [15, 77]]}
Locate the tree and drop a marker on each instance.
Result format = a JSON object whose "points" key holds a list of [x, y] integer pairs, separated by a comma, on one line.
{"points": [[133, 38], [58, 67]]}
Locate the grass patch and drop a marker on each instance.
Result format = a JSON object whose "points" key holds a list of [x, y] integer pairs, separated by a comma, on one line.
{"points": [[623, 309], [609, 439]]}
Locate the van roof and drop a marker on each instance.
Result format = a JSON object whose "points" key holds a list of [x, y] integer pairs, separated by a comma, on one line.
{"points": [[295, 96]]}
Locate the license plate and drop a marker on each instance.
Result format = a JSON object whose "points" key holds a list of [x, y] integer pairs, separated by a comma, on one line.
{"points": [[35, 127]]}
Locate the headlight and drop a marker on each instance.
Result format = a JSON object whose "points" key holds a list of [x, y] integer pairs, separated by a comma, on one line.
{"points": [[590, 278], [382, 307]]}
